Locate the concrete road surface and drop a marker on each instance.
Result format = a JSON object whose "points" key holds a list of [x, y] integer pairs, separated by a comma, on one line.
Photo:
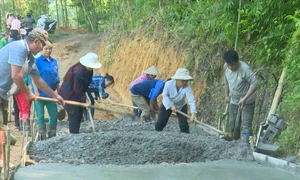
{"points": [[216, 170]]}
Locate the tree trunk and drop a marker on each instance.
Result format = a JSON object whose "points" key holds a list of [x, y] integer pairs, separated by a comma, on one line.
{"points": [[66, 14], [57, 15], [89, 19], [13, 3], [4, 15], [46, 7], [62, 13], [77, 16]]}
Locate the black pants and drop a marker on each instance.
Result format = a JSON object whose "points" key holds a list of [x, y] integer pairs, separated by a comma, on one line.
{"points": [[74, 118], [16, 113], [164, 116], [28, 31]]}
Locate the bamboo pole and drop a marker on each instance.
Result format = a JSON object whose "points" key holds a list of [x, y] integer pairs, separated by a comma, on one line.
{"points": [[237, 26], [276, 98]]}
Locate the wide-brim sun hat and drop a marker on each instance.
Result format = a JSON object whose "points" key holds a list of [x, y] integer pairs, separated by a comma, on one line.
{"points": [[182, 74], [152, 71], [23, 31], [90, 60]]}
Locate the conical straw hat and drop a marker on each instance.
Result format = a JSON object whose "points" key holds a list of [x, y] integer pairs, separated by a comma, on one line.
{"points": [[152, 71]]}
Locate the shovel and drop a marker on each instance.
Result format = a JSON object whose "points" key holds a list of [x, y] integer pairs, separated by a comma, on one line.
{"points": [[223, 120], [119, 104], [74, 103], [210, 129], [89, 113]]}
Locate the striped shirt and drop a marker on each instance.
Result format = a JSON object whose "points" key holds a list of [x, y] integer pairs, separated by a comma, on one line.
{"points": [[97, 85]]}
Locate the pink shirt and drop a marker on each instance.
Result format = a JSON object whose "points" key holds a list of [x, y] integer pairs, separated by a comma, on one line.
{"points": [[140, 79], [15, 24], [9, 20]]}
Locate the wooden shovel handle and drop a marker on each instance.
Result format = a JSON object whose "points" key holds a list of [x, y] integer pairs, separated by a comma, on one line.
{"points": [[108, 101], [66, 101], [84, 105], [201, 123]]}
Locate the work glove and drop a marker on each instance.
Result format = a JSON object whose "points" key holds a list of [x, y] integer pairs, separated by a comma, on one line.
{"points": [[105, 95]]}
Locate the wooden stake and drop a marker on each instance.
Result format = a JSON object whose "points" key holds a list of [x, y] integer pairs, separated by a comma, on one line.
{"points": [[7, 151], [4, 161]]}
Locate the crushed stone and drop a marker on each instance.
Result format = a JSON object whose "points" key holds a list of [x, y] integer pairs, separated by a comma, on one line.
{"points": [[127, 142]]}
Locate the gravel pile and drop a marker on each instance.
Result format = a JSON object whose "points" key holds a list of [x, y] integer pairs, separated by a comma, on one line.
{"points": [[127, 142]]}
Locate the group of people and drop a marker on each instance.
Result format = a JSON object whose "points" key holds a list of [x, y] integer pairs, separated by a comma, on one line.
{"points": [[240, 94], [145, 90], [14, 24], [19, 60], [38, 76]]}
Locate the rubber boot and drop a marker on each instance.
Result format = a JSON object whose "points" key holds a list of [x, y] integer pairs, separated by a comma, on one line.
{"points": [[51, 130], [42, 132]]}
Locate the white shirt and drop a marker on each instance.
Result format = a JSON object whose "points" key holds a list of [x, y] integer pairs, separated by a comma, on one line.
{"points": [[171, 97]]}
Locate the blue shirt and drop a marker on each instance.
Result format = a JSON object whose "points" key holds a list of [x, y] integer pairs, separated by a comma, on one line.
{"points": [[49, 73], [97, 85], [149, 89], [178, 99], [27, 80]]}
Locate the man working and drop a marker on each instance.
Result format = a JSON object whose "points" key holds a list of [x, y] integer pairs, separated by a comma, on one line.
{"points": [[240, 87], [149, 74], [144, 92], [13, 57]]}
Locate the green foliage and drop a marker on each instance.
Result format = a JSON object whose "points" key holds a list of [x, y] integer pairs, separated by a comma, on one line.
{"points": [[290, 106], [268, 35]]}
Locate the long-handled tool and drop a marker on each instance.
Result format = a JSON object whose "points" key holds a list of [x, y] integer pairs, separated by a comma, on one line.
{"points": [[223, 120], [267, 147], [119, 104], [74, 103], [207, 127], [89, 112], [262, 100]]}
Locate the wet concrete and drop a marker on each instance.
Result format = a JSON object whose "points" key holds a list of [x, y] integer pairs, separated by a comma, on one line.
{"points": [[127, 142], [215, 170]]}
